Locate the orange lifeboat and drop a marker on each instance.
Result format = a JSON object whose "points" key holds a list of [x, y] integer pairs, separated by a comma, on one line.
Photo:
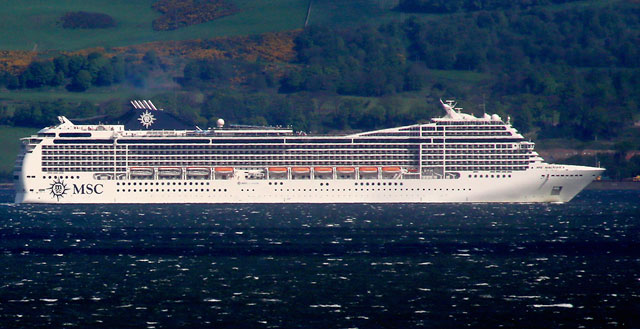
{"points": [[368, 170], [391, 169], [323, 170], [346, 170], [278, 170], [300, 170], [413, 170], [224, 170]]}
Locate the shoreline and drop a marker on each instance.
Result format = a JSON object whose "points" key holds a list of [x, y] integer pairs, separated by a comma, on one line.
{"points": [[613, 185]]}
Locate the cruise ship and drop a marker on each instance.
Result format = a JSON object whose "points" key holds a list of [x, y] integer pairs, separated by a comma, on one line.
{"points": [[455, 158]]}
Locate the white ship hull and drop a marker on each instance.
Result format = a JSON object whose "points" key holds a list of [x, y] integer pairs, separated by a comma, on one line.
{"points": [[456, 158], [551, 184]]}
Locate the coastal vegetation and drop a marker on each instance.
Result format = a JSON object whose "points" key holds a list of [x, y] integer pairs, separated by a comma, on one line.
{"points": [[87, 20], [181, 13]]}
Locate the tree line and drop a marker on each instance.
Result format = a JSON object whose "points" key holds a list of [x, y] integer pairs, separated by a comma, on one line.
{"points": [[570, 73], [78, 73], [453, 6]]}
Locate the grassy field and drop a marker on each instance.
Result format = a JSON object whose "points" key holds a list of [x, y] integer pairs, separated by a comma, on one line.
{"points": [[33, 24], [9, 147], [51, 95], [94, 95]]}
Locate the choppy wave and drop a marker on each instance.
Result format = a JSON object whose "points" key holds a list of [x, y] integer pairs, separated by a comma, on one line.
{"points": [[351, 266]]}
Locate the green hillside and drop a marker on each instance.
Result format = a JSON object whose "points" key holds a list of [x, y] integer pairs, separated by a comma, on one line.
{"points": [[34, 24], [567, 70], [9, 147]]}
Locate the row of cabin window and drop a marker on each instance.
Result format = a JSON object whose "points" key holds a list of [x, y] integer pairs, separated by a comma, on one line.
{"points": [[80, 147], [490, 176], [372, 189], [81, 169], [279, 152], [172, 190], [178, 148], [487, 168], [478, 157], [162, 183], [283, 163], [475, 128]]}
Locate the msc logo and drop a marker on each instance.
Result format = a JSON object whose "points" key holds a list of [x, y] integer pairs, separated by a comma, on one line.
{"points": [[58, 189], [146, 119], [87, 189]]}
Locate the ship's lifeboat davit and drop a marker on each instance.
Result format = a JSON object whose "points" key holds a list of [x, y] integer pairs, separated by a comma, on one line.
{"points": [[141, 171], [169, 171], [198, 171]]}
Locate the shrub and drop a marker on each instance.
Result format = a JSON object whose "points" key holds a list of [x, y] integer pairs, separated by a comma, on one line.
{"points": [[181, 13], [86, 20]]}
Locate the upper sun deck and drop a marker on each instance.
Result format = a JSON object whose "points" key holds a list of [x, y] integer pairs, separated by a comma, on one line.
{"points": [[453, 120], [66, 128]]}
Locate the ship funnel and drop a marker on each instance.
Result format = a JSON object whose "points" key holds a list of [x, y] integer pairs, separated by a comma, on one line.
{"points": [[152, 106], [144, 105]]}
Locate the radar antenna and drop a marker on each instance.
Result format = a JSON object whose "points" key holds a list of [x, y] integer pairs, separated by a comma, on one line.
{"points": [[451, 103]]}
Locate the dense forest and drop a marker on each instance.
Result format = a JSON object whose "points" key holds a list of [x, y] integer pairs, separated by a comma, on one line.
{"points": [[570, 73], [78, 73], [452, 6]]}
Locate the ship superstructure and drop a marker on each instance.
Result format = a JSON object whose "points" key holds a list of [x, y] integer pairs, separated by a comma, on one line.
{"points": [[455, 158]]}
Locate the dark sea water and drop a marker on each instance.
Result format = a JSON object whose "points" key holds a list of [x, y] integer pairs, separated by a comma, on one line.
{"points": [[574, 265]]}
